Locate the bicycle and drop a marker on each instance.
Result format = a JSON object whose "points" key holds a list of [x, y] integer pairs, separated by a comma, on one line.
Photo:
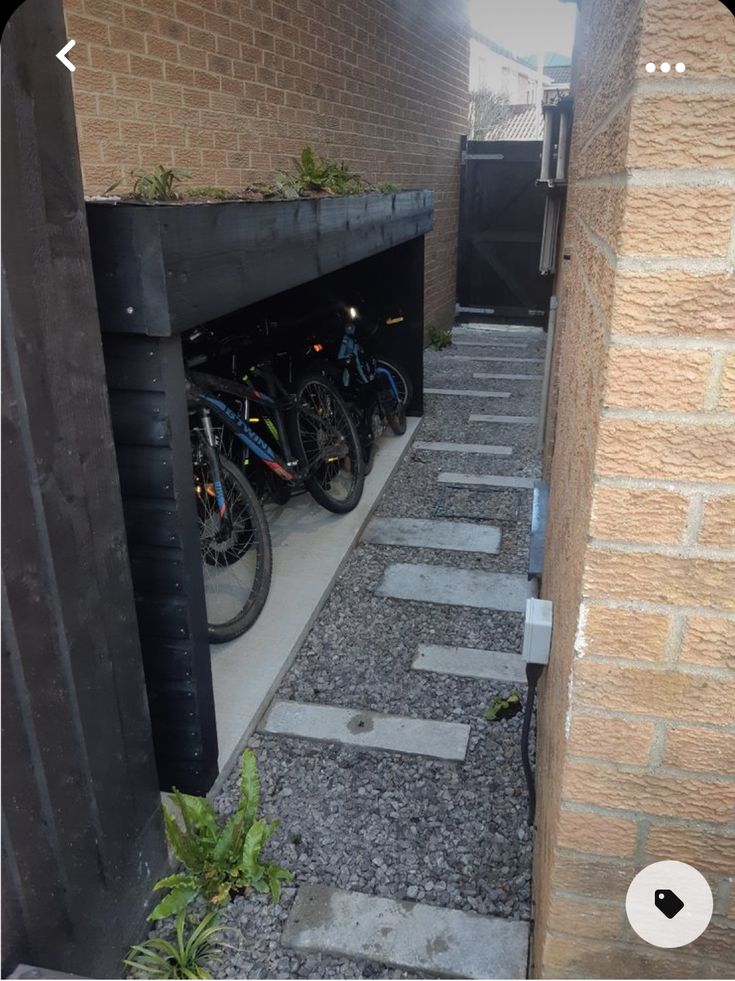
{"points": [[237, 557]]}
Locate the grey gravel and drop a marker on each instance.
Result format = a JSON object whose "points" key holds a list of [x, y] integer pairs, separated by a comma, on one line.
{"points": [[452, 834]]}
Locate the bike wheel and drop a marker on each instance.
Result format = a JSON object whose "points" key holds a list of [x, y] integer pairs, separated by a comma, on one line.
{"points": [[400, 377], [320, 421], [396, 417], [237, 558]]}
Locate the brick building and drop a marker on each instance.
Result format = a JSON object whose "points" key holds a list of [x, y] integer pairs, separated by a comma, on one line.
{"points": [[232, 90], [637, 716]]}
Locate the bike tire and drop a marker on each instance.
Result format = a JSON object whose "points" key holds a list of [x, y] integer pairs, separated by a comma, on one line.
{"points": [[396, 417], [401, 377], [235, 483], [314, 385]]}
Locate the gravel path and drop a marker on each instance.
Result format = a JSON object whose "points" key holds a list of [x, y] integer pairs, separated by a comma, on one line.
{"points": [[400, 826]]}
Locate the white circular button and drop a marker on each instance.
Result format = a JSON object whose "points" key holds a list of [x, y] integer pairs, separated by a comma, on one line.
{"points": [[650, 67], [665, 67], [669, 904]]}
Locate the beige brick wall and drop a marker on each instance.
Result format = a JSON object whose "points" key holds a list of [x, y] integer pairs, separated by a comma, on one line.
{"points": [[637, 712], [232, 90]]}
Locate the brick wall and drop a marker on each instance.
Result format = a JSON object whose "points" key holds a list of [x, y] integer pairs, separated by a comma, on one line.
{"points": [[637, 712], [232, 90]]}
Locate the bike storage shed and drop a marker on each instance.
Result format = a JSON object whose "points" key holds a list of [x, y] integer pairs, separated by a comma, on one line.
{"points": [[159, 271]]}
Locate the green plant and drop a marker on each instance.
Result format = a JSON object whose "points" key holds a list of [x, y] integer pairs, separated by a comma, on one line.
{"points": [[315, 174], [184, 957], [440, 337], [159, 184], [219, 861], [504, 707], [386, 187]]}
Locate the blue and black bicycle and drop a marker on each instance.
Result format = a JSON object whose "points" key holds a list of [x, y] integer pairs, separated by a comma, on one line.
{"points": [[316, 446]]}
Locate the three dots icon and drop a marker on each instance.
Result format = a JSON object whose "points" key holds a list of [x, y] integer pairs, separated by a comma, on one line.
{"points": [[666, 67]]}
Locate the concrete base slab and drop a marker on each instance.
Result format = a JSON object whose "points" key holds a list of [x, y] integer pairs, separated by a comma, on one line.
{"points": [[309, 547], [454, 536], [456, 587], [467, 393], [482, 374], [470, 662], [484, 480], [484, 449], [506, 420], [427, 940], [368, 730]]}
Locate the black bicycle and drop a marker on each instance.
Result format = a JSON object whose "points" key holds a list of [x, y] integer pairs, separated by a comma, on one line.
{"points": [[318, 446]]}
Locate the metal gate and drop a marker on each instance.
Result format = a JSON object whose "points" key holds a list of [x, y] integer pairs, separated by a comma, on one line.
{"points": [[501, 220]]}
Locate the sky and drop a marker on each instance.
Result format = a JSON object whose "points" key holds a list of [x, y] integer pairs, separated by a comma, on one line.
{"points": [[526, 26]]}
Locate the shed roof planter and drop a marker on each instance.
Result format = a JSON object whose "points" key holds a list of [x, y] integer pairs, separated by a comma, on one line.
{"points": [[163, 267]]}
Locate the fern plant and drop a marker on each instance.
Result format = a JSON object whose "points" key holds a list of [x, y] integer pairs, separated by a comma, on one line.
{"points": [[219, 861], [160, 184], [183, 957], [439, 337]]}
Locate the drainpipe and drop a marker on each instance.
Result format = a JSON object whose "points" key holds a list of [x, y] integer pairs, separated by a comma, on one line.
{"points": [[553, 304]]}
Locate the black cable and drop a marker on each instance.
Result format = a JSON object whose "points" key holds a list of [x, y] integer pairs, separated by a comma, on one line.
{"points": [[533, 673]]}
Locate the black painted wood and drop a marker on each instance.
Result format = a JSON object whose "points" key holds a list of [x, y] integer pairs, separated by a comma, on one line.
{"points": [[82, 836], [150, 424], [166, 268], [501, 221]]}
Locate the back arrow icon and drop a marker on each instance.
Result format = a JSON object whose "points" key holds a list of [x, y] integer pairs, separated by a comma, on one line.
{"points": [[65, 61]]}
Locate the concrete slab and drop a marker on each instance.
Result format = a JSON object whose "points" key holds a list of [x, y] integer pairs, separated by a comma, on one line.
{"points": [[455, 587], [309, 547], [396, 733], [454, 536], [506, 420], [517, 331], [482, 374], [470, 662], [467, 393], [478, 357], [484, 449], [427, 940], [486, 342], [485, 480]]}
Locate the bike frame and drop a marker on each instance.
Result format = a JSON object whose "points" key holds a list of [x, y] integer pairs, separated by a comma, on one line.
{"points": [[287, 468]]}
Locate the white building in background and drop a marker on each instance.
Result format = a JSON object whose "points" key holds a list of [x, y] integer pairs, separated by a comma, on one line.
{"points": [[520, 83]]}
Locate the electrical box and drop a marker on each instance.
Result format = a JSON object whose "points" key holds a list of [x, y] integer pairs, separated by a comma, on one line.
{"points": [[537, 631]]}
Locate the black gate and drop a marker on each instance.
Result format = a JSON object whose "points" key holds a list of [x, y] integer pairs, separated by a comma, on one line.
{"points": [[501, 219]]}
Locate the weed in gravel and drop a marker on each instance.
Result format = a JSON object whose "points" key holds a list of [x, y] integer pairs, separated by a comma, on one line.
{"points": [[219, 862]]}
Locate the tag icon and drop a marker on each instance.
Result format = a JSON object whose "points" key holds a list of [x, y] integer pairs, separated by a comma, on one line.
{"points": [[668, 903]]}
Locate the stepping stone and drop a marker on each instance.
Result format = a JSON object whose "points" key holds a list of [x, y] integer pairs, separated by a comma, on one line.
{"points": [[456, 587], [455, 536], [470, 357], [484, 480], [484, 449], [470, 662], [510, 420], [482, 374], [467, 393], [368, 730], [487, 343], [427, 940]]}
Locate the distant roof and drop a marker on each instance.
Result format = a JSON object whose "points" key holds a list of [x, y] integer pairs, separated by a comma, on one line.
{"points": [[560, 74], [552, 59], [522, 124]]}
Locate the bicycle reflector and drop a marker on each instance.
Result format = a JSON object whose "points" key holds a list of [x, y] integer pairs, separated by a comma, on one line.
{"points": [[317, 347]]}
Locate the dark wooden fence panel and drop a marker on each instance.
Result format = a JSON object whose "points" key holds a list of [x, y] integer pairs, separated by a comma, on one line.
{"points": [[501, 221], [82, 839]]}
